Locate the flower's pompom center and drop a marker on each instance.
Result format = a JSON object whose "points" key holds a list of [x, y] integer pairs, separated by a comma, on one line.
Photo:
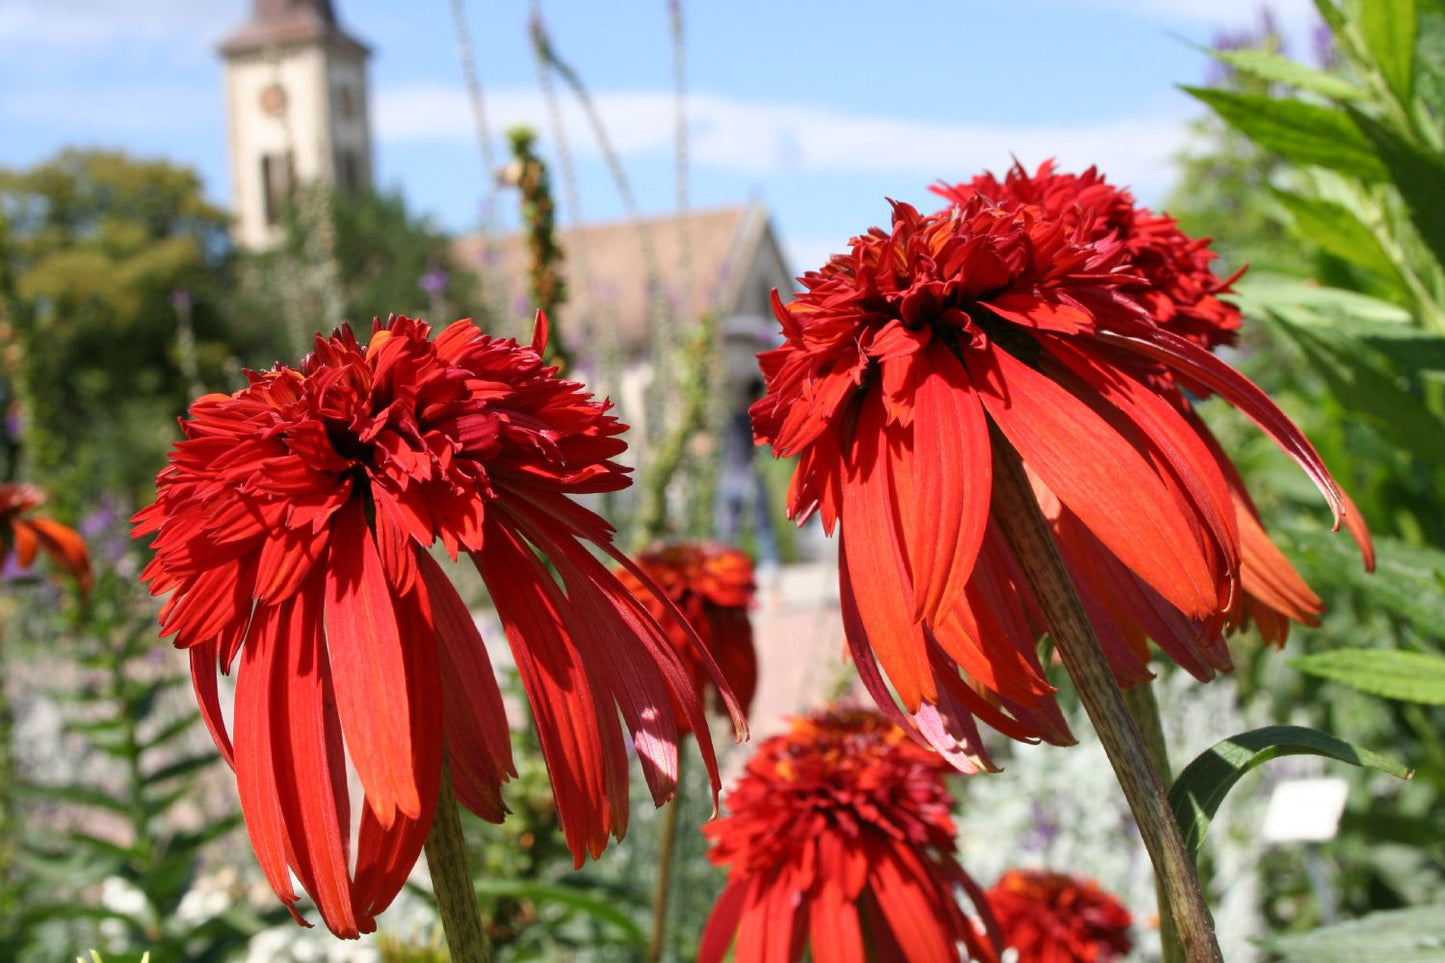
{"points": [[848, 774]]}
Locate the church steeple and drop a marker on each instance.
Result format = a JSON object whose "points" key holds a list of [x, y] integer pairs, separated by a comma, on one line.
{"points": [[296, 100]]}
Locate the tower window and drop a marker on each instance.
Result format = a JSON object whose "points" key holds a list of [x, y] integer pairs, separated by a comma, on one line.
{"points": [[278, 177], [348, 170]]}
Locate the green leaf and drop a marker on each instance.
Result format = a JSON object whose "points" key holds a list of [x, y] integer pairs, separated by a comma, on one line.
{"points": [[1414, 935], [1406, 583], [1418, 176], [1336, 229], [599, 906], [1268, 292], [1282, 70], [1388, 27], [1391, 673], [184, 767], [76, 795], [1299, 132], [1202, 786]]}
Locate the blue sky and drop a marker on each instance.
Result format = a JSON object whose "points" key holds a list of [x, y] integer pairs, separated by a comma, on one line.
{"points": [[819, 109]]}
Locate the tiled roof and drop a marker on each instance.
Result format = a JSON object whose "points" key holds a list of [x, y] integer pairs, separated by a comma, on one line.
{"points": [[606, 271]]}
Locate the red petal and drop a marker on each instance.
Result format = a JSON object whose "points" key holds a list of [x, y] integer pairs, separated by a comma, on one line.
{"points": [[1098, 475], [478, 740], [258, 683], [953, 472], [373, 692], [203, 680], [1195, 362], [310, 762], [873, 567]]}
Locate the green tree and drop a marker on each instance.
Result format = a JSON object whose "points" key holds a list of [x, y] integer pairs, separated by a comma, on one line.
{"points": [[373, 258], [112, 283]]}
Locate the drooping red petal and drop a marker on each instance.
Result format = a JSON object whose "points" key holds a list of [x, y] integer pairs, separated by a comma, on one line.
{"points": [[203, 680], [369, 669], [1198, 364], [478, 740], [953, 472], [1098, 475], [257, 687], [310, 761], [569, 723], [872, 563]]}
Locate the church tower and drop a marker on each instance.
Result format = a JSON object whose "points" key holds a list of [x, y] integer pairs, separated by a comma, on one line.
{"points": [[296, 108]]}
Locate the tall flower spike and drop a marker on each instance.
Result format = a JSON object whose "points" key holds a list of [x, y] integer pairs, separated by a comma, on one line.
{"points": [[1012, 318], [838, 839], [1049, 917], [292, 529], [24, 537], [712, 586]]}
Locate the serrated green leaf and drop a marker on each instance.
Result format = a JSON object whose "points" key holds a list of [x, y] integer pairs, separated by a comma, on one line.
{"points": [[1406, 582], [1336, 229], [1418, 176], [184, 767], [76, 795], [1279, 69], [1391, 673], [1197, 793], [1414, 935], [1299, 132], [1388, 27]]}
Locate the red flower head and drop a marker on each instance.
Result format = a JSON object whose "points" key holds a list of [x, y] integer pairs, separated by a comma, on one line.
{"points": [[1175, 283], [291, 526], [24, 536], [1056, 918], [712, 586], [996, 322], [836, 829]]}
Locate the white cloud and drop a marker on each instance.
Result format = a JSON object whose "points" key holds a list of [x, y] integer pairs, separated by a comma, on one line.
{"points": [[31, 24], [771, 138]]}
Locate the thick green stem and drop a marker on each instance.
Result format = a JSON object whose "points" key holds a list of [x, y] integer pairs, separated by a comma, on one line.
{"points": [[1144, 709], [662, 885], [446, 859], [1028, 534]]}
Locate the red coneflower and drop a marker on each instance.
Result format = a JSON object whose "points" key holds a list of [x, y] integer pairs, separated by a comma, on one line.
{"points": [[995, 321], [839, 839], [25, 536], [1051, 917], [1181, 293], [712, 586], [291, 528]]}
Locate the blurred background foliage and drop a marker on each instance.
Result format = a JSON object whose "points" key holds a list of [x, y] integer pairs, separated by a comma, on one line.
{"points": [[1328, 179]]}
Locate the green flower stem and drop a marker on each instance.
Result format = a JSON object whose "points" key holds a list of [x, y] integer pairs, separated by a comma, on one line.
{"points": [[1144, 709], [662, 885], [446, 859], [1027, 532]]}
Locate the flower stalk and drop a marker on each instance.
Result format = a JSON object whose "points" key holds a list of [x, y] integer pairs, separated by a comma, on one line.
{"points": [[1027, 532], [662, 886], [1144, 708], [446, 860]]}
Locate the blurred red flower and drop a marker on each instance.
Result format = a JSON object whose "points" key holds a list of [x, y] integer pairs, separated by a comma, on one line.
{"points": [[1056, 918], [291, 526], [1005, 320], [838, 840], [25, 536], [712, 586]]}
